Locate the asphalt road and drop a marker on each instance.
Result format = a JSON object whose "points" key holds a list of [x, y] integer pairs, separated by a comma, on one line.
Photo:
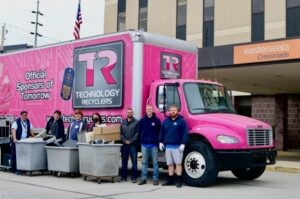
{"points": [[270, 185]]}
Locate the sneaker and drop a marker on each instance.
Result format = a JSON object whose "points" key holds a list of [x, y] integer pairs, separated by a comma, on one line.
{"points": [[155, 182], [142, 182], [18, 173], [123, 180], [133, 180]]}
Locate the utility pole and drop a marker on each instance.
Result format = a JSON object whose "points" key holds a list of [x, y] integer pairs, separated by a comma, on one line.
{"points": [[37, 24], [4, 32]]}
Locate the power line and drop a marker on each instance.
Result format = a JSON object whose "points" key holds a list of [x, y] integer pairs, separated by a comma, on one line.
{"points": [[67, 11], [26, 30], [24, 36]]}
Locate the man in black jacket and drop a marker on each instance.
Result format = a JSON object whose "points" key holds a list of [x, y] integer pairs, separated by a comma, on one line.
{"points": [[149, 127], [129, 135]]}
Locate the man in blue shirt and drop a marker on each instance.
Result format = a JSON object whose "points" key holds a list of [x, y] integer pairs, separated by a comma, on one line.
{"points": [[173, 137], [21, 129], [148, 128]]}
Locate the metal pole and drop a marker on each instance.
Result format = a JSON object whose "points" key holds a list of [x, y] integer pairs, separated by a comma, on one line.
{"points": [[2, 38], [36, 23]]}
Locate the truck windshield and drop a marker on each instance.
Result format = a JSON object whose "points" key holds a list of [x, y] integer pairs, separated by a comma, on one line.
{"points": [[207, 98]]}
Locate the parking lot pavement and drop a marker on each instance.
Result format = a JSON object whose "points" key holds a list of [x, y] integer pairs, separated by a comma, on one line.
{"points": [[270, 185]]}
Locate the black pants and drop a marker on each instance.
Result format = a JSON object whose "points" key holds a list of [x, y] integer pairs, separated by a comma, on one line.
{"points": [[126, 151], [14, 157]]}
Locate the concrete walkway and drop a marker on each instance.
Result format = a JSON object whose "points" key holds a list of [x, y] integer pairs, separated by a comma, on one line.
{"points": [[287, 161]]}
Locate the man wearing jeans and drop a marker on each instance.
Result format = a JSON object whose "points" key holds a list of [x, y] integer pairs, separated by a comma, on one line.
{"points": [[129, 135], [149, 128]]}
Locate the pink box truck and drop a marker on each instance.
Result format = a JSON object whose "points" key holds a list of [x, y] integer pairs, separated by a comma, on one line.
{"points": [[109, 73]]}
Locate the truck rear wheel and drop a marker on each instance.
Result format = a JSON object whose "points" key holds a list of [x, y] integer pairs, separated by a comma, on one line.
{"points": [[249, 173], [200, 167]]}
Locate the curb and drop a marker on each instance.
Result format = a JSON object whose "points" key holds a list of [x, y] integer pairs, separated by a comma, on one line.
{"points": [[282, 169]]}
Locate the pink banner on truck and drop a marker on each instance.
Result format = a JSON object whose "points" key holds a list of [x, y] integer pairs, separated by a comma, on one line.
{"points": [[40, 80], [166, 63]]}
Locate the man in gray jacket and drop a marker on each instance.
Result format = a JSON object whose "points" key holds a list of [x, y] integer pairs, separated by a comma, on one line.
{"points": [[129, 136]]}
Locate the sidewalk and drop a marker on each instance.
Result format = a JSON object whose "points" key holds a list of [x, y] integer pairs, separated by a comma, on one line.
{"points": [[287, 161]]}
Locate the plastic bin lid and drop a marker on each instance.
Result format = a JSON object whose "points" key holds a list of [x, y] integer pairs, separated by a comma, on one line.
{"points": [[61, 148], [31, 140], [100, 145]]}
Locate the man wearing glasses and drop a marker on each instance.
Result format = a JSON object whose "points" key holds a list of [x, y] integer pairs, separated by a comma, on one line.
{"points": [[21, 129]]}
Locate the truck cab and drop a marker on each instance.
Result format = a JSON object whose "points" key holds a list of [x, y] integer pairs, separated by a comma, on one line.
{"points": [[220, 140]]}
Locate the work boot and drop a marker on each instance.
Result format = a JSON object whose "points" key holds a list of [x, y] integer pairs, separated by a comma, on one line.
{"points": [[142, 182], [178, 181], [169, 182]]}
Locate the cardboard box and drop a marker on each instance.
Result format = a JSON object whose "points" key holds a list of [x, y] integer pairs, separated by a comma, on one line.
{"points": [[107, 133]]}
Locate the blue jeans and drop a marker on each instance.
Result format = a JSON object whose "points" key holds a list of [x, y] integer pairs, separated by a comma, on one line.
{"points": [[147, 153], [126, 151]]}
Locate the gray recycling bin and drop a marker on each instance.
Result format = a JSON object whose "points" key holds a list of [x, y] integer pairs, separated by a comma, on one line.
{"points": [[63, 159], [31, 156], [99, 160]]}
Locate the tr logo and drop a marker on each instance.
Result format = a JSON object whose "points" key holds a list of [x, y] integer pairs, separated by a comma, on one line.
{"points": [[105, 70], [170, 61], [170, 65]]}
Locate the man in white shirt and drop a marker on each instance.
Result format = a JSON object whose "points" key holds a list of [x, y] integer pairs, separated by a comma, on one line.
{"points": [[21, 129]]}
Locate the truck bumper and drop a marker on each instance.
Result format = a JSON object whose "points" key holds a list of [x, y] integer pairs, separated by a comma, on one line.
{"points": [[227, 160]]}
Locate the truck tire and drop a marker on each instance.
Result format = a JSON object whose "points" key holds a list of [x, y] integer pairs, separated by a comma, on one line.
{"points": [[199, 165], [248, 173]]}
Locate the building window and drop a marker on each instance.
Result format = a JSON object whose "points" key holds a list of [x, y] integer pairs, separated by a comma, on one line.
{"points": [[121, 15], [143, 14], [292, 18], [258, 20], [208, 23], [181, 20]]}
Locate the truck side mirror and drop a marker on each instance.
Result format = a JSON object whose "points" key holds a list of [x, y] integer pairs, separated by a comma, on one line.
{"points": [[174, 85], [164, 102]]}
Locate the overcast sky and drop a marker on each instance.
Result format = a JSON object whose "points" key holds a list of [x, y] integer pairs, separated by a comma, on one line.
{"points": [[58, 20]]}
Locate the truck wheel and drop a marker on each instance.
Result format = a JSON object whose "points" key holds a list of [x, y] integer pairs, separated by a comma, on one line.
{"points": [[248, 173], [200, 167]]}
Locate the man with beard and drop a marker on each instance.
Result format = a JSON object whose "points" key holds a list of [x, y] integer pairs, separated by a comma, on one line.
{"points": [[129, 136], [173, 137]]}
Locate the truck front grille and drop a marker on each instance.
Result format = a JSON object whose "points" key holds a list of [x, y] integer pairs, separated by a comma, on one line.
{"points": [[259, 137]]}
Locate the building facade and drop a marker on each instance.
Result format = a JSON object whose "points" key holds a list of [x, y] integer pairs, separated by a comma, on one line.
{"points": [[251, 46]]}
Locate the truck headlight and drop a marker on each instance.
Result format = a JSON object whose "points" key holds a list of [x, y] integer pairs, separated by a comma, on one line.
{"points": [[224, 139]]}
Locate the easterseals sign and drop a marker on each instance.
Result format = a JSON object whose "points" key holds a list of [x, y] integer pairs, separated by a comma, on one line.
{"points": [[98, 76]]}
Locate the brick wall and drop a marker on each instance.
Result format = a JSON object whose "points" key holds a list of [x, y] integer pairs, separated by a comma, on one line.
{"points": [[283, 111], [263, 108], [269, 109], [293, 138]]}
